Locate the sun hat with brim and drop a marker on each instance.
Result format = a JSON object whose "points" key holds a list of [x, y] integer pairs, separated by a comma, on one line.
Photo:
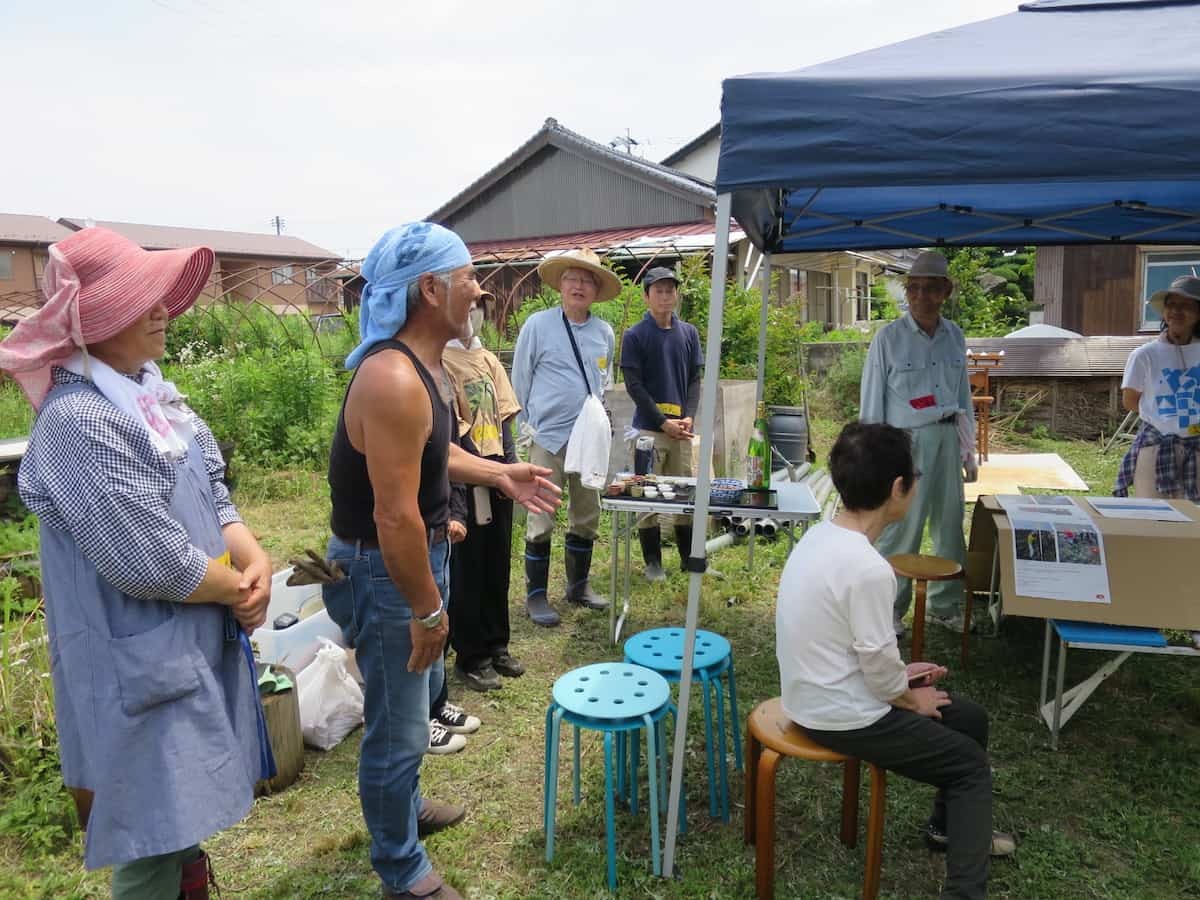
{"points": [[931, 264], [551, 272], [98, 283], [1185, 286]]}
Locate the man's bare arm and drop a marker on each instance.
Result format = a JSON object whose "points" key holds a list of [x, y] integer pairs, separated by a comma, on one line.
{"points": [[391, 409]]}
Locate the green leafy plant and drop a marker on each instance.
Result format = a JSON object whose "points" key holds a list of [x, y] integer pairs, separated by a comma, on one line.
{"points": [[843, 381], [274, 406], [16, 414], [37, 811]]}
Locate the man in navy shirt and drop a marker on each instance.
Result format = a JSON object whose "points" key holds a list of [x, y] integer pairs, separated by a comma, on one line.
{"points": [[661, 362]]}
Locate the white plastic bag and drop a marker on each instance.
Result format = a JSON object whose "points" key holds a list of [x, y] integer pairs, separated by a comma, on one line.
{"points": [[331, 702], [589, 444]]}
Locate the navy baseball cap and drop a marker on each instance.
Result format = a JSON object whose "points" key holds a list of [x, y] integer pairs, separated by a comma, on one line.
{"points": [[658, 274]]}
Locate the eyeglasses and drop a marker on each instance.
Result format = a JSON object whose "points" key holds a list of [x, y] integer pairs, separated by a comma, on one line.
{"points": [[578, 279]]}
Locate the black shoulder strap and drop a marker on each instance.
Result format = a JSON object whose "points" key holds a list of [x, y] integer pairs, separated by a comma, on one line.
{"points": [[578, 359]]}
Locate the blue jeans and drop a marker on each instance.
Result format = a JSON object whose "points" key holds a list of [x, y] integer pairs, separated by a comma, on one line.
{"points": [[374, 618]]}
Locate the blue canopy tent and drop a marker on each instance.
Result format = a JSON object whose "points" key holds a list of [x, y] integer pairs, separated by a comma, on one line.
{"points": [[1068, 121]]}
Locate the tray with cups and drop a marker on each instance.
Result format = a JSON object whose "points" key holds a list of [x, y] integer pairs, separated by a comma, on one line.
{"points": [[648, 487]]}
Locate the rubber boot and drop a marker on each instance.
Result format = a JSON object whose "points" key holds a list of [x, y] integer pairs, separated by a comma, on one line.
{"points": [[683, 540], [651, 541], [579, 564], [195, 878], [537, 574]]}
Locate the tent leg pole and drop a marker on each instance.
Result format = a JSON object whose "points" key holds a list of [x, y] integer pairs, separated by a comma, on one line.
{"points": [[708, 415]]}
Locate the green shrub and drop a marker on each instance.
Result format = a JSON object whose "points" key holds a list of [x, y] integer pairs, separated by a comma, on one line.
{"points": [[843, 381], [36, 809], [275, 407], [16, 415]]}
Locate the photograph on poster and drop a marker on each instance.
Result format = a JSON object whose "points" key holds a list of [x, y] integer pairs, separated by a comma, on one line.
{"points": [[1035, 541], [1078, 545]]}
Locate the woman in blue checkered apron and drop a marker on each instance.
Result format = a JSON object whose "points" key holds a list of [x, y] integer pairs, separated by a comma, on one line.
{"points": [[151, 580], [1162, 385]]}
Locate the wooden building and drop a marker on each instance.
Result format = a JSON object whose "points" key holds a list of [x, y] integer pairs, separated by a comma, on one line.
{"points": [[1105, 289]]}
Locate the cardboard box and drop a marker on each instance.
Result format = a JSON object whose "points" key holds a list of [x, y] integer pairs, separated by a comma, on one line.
{"points": [[1152, 569]]}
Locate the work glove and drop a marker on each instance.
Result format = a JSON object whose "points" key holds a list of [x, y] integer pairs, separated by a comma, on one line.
{"points": [[314, 570]]}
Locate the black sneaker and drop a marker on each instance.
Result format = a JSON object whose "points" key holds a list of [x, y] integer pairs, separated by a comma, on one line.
{"points": [[1003, 844], [456, 720], [505, 665], [480, 678], [442, 741]]}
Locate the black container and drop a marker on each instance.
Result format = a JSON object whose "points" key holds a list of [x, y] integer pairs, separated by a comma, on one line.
{"points": [[789, 435]]}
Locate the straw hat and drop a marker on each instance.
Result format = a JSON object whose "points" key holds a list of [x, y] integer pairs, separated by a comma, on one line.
{"points": [[551, 271], [1185, 286]]}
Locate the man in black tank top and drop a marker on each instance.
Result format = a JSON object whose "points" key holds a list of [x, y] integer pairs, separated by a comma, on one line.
{"points": [[389, 472]]}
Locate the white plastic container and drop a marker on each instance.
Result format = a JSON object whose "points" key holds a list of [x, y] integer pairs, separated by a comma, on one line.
{"points": [[297, 646]]}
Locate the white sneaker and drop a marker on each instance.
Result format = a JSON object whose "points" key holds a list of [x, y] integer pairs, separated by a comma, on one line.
{"points": [[442, 741], [456, 720]]}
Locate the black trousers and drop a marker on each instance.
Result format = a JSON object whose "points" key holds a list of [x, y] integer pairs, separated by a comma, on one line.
{"points": [[950, 754], [480, 567]]}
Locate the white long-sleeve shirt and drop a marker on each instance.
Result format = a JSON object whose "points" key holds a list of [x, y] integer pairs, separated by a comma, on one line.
{"points": [[839, 665]]}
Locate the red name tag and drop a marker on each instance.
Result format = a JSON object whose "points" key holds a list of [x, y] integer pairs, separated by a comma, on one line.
{"points": [[923, 402]]}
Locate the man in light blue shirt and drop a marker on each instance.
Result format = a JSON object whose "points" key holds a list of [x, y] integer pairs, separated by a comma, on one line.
{"points": [[562, 355], [915, 378]]}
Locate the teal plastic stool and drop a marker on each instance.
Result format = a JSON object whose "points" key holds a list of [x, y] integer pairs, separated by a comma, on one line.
{"points": [[622, 701], [661, 649]]}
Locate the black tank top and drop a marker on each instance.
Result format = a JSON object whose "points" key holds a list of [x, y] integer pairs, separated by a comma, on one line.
{"points": [[350, 490]]}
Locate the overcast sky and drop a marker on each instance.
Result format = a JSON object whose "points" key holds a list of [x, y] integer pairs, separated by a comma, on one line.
{"points": [[348, 117]]}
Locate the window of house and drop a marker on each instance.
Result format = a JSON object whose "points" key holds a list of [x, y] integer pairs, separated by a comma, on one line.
{"points": [[862, 296], [797, 282], [282, 275], [6, 265], [1158, 271]]}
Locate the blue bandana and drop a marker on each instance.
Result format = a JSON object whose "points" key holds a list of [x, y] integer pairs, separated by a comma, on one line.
{"points": [[398, 258]]}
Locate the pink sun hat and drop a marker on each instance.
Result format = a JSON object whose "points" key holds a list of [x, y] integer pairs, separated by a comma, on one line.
{"points": [[97, 283]]}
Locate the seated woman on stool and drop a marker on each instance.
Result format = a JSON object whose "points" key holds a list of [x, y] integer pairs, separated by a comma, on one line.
{"points": [[841, 674]]}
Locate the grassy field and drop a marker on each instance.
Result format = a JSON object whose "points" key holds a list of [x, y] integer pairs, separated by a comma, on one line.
{"points": [[1112, 813]]}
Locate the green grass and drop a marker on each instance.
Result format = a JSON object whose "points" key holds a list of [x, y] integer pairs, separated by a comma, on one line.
{"points": [[1110, 814]]}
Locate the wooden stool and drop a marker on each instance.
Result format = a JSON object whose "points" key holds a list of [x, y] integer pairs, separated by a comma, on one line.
{"points": [[922, 570], [770, 735]]}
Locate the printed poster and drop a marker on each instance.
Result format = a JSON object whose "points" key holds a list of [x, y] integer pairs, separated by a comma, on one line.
{"points": [[1136, 508], [1058, 552]]}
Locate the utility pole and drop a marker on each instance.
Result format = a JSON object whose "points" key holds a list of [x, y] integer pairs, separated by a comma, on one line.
{"points": [[277, 223]]}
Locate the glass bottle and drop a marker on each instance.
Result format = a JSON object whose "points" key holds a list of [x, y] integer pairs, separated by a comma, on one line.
{"points": [[758, 453]]}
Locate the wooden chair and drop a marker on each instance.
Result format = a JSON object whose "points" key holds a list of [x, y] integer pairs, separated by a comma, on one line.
{"points": [[923, 569], [980, 366], [770, 736]]}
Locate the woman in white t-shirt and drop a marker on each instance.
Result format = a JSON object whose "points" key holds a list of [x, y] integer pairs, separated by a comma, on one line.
{"points": [[842, 679], [1162, 385]]}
